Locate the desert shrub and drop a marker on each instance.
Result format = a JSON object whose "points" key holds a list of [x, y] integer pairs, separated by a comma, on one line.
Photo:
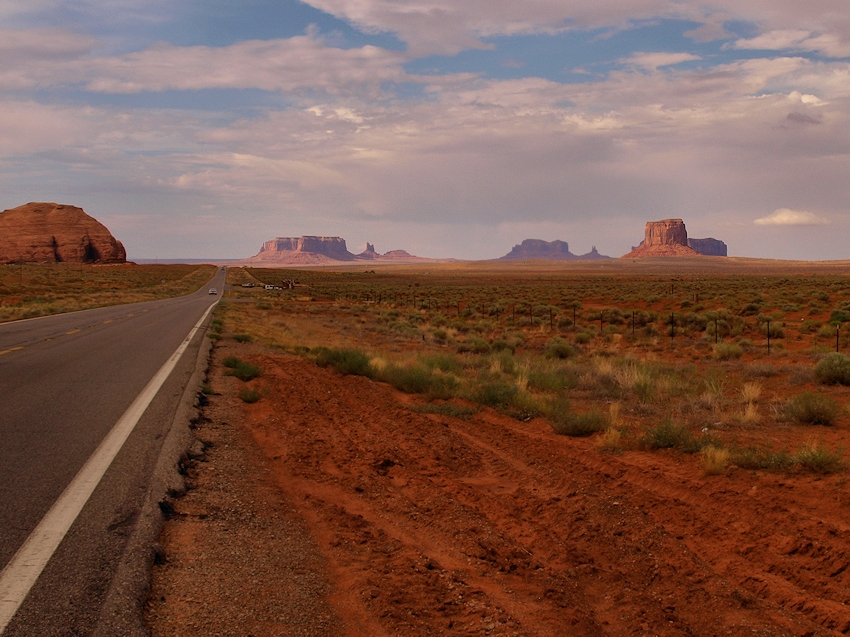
{"points": [[809, 327], [444, 362], [250, 395], [833, 369], [474, 345], [242, 338], [565, 422], [714, 460], [582, 338], [668, 435], [344, 360], [555, 380], [812, 409], [440, 335], [230, 361], [559, 348], [765, 459], [817, 458], [416, 379], [242, 370], [496, 394], [446, 409], [501, 345], [727, 351]]}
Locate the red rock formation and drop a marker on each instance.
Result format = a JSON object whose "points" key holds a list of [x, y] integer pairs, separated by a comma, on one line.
{"points": [[49, 232], [307, 249], [316, 250], [667, 238], [549, 250], [709, 247]]}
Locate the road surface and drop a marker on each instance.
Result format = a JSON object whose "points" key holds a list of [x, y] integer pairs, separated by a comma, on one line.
{"points": [[64, 383]]}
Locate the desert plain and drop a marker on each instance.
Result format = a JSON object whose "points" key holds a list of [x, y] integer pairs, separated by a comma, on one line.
{"points": [[531, 448], [518, 449]]}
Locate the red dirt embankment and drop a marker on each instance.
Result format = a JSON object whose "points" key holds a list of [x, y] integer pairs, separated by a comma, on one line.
{"points": [[400, 523]]}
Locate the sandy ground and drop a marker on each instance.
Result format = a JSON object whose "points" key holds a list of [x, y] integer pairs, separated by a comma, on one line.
{"points": [[329, 508]]}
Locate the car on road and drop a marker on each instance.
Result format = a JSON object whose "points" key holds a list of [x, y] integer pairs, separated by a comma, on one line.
{"points": [[213, 291]]}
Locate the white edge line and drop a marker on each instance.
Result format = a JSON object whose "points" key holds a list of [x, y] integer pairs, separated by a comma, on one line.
{"points": [[22, 571]]}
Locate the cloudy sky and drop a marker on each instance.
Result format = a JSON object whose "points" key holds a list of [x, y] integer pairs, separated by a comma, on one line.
{"points": [[449, 128]]}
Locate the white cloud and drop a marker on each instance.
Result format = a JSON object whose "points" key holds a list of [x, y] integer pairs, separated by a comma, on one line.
{"points": [[829, 44], [653, 61], [787, 217]]}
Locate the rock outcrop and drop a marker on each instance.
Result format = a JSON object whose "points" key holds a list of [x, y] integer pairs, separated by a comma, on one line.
{"points": [[48, 233], [709, 247], [666, 238], [548, 250], [316, 250], [307, 249]]}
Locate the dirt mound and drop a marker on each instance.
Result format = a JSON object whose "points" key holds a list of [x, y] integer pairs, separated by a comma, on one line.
{"points": [[49, 232], [432, 525]]}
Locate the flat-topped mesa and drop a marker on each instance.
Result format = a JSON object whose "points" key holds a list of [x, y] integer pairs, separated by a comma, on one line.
{"points": [[547, 250], [665, 238], [709, 247], [45, 232], [307, 249]]}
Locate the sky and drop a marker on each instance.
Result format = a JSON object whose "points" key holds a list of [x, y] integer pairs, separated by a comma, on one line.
{"points": [[447, 128]]}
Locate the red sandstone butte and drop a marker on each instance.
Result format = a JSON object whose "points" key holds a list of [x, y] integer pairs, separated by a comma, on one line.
{"points": [[666, 238], [49, 232]]}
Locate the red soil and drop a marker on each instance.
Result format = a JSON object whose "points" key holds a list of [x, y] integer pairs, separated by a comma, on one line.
{"points": [[432, 525]]}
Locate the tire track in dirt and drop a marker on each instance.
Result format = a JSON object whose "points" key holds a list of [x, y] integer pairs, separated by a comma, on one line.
{"points": [[434, 525], [579, 551], [802, 586]]}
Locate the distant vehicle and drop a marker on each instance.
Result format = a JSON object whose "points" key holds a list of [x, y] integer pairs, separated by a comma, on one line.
{"points": [[213, 291], [268, 287], [247, 285]]}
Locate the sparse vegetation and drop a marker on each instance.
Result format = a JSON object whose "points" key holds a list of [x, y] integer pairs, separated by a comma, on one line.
{"points": [[812, 409]]}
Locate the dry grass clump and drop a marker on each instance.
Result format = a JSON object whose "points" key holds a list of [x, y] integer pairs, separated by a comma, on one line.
{"points": [[611, 441], [751, 392], [714, 460]]}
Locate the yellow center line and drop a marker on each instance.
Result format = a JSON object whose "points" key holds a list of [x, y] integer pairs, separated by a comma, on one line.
{"points": [[73, 331], [11, 349]]}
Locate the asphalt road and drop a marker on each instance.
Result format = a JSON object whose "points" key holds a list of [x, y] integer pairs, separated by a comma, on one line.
{"points": [[64, 382]]}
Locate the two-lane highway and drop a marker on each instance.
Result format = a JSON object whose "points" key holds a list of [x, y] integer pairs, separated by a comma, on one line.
{"points": [[65, 381]]}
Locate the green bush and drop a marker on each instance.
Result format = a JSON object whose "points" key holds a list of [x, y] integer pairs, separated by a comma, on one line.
{"points": [[727, 351], [817, 458], [833, 369], [583, 338], [559, 348], [761, 459], [250, 395], [242, 338], [230, 361], [565, 422], [245, 371], [475, 345], [812, 409], [347, 361], [496, 394], [668, 435], [416, 379]]}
